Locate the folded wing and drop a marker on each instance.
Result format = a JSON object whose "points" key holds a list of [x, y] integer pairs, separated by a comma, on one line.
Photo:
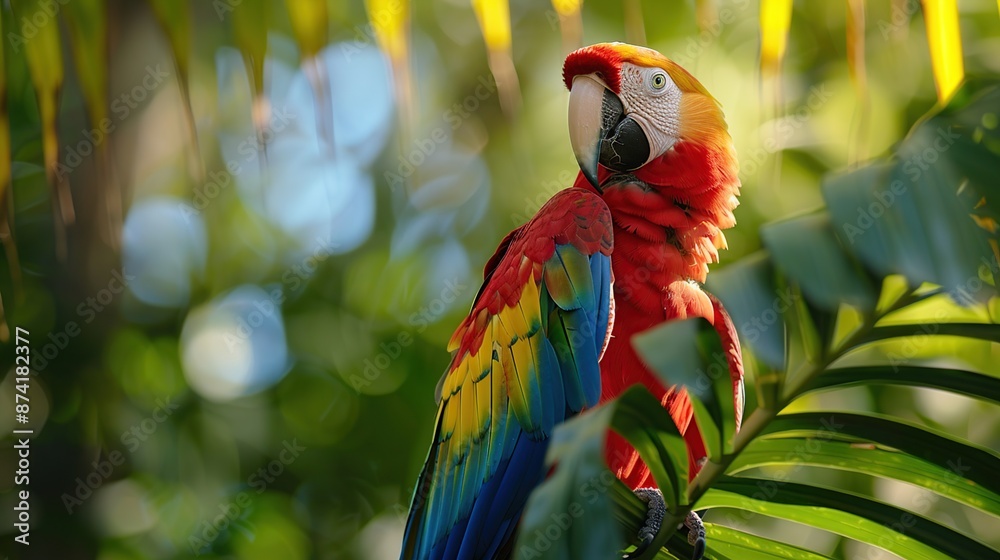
{"points": [[524, 360]]}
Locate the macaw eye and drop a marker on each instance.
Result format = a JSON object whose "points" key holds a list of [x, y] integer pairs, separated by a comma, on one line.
{"points": [[659, 80]]}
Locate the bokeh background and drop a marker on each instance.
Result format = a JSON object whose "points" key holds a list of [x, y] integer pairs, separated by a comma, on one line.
{"points": [[242, 364]]}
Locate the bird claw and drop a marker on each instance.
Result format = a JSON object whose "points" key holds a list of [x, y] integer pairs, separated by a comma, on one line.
{"points": [[654, 519], [696, 534]]}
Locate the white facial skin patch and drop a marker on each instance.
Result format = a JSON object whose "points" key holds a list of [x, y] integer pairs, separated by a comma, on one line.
{"points": [[653, 100]]}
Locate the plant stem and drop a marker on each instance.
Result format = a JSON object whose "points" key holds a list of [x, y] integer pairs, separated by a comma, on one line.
{"points": [[761, 417]]}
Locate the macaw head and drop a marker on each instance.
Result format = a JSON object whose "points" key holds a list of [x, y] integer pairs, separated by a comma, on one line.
{"points": [[629, 107]]}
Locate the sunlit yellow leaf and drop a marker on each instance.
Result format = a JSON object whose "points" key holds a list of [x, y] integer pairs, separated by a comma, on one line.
{"points": [[309, 24], [310, 20], [570, 22], [494, 21], [945, 42], [250, 27], [390, 19], [43, 50], [775, 17], [567, 7], [985, 222]]}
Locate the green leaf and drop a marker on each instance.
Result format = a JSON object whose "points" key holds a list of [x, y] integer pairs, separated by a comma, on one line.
{"points": [[805, 346], [728, 543], [671, 351], [690, 353], [912, 215], [808, 251], [870, 460], [250, 26], [175, 18], [43, 52], [709, 428], [5, 167], [87, 24], [971, 461], [903, 533], [982, 331], [975, 385], [575, 497], [747, 289], [643, 421]]}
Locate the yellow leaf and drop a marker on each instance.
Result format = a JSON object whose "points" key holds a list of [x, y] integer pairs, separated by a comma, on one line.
{"points": [[309, 24], [45, 65], [985, 222], [570, 22], [569, 7], [494, 20], [250, 27], [310, 20], [775, 18], [390, 20], [945, 42]]}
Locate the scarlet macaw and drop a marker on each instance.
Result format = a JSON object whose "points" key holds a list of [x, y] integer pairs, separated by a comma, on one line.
{"points": [[654, 144], [658, 175]]}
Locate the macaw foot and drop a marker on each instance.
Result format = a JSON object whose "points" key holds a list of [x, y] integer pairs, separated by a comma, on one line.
{"points": [[696, 534], [654, 519]]}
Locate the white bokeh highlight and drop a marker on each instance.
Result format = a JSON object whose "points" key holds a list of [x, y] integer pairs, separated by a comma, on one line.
{"points": [[235, 346]]}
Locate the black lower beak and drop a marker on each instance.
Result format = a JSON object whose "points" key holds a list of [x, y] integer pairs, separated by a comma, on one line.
{"points": [[624, 146], [600, 131]]}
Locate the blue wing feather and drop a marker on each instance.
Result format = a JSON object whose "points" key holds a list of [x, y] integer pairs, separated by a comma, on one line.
{"points": [[477, 477]]}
